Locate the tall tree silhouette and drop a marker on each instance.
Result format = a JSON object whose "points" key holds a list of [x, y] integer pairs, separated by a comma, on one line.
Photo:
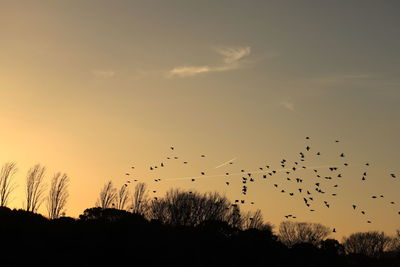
{"points": [[35, 188], [6, 182], [107, 196], [58, 195], [291, 233], [140, 199], [122, 198]]}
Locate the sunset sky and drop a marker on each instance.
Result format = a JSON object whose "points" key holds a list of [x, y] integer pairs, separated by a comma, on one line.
{"points": [[91, 88]]}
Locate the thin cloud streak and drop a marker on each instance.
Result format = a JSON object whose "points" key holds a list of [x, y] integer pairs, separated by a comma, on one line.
{"points": [[103, 73], [232, 58], [287, 105], [225, 163]]}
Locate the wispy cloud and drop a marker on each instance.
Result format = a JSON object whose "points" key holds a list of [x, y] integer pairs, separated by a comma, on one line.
{"points": [[287, 105], [103, 73], [232, 59], [188, 71], [233, 54]]}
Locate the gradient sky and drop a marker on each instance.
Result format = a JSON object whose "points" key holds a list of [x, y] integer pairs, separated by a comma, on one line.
{"points": [[91, 88]]}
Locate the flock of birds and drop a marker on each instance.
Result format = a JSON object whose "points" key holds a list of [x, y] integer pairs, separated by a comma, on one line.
{"points": [[310, 192]]}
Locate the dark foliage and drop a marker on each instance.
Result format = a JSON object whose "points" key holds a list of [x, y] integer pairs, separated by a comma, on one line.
{"points": [[110, 237]]}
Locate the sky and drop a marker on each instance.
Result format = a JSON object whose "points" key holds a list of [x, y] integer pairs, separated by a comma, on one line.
{"points": [[91, 88]]}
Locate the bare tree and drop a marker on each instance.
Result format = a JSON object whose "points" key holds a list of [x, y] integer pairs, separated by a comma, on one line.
{"points": [[372, 243], [291, 233], [254, 220], [6, 182], [140, 199], [395, 246], [189, 208], [234, 217], [35, 188], [107, 196], [122, 197], [58, 195]]}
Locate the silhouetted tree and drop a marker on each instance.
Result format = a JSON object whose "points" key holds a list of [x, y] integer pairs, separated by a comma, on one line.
{"points": [[254, 220], [371, 244], [122, 197], [107, 196], [35, 188], [332, 246], [109, 215], [139, 199], [190, 209], [234, 217], [6, 182], [291, 233], [396, 242], [58, 195]]}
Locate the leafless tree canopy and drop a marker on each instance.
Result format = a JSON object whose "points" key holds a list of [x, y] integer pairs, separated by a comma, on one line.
{"points": [[193, 208], [35, 188], [291, 233], [372, 243], [122, 197], [6, 182], [254, 220], [58, 195], [395, 246], [139, 199], [107, 196], [183, 208]]}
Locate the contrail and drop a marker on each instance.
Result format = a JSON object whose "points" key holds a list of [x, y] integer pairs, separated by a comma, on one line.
{"points": [[241, 173], [225, 163]]}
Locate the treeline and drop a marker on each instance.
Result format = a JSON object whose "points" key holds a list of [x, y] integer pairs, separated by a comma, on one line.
{"points": [[182, 228]]}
